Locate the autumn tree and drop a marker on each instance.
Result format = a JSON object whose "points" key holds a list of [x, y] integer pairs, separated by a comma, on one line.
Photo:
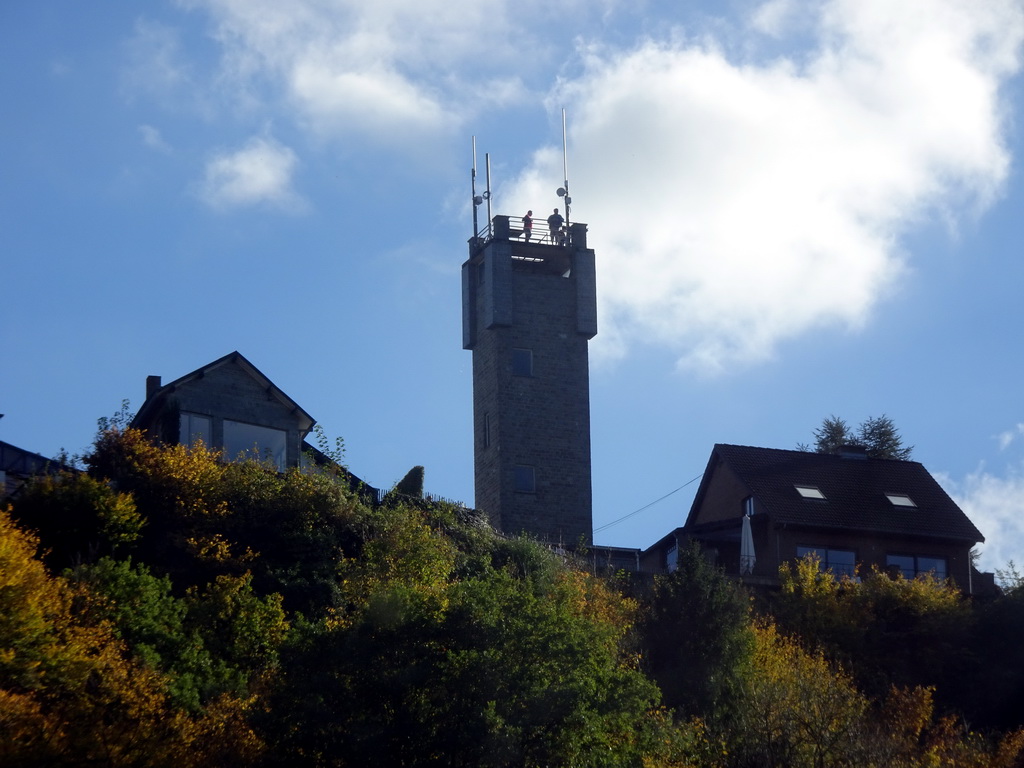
{"points": [[795, 708], [71, 693], [493, 668], [152, 622], [886, 631], [81, 518], [799, 709], [227, 613]]}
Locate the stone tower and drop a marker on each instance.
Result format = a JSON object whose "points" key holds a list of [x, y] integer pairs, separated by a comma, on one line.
{"points": [[528, 312]]}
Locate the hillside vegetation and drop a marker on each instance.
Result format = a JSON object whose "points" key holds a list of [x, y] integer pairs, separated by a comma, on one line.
{"points": [[164, 608]]}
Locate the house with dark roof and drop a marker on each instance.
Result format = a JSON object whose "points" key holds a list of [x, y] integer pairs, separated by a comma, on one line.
{"points": [[757, 508], [231, 406], [18, 466]]}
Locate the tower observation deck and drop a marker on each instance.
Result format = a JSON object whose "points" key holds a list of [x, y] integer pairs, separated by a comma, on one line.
{"points": [[529, 309]]}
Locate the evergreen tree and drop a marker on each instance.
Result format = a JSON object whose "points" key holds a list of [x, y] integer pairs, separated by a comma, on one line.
{"points": [[882, 439], [878, 435], [695, 634], [833, 433]]}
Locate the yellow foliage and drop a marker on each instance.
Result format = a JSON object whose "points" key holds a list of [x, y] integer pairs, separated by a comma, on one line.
{"points": [[213, 548], [401, 551], [797, 708], [687, 744], [184, 479], [589, 598], [30, 603], [69, 692], [27, 734], [1009, 753]]}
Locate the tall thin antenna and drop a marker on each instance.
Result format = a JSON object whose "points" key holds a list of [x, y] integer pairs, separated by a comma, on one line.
{"points": [[476, 200], [487, 194], [563, 191]]}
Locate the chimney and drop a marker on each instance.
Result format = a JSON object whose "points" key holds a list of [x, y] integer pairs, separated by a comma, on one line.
{"points": [[152, 386], [853, 451]]}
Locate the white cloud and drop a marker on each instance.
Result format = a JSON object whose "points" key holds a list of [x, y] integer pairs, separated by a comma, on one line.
{"points": [[736, 205], [377, 103], [258, 173], [774, 16], [740, 193], [1007, 437], [156, 64], [152, 138], [996, 506], [395, 72]]}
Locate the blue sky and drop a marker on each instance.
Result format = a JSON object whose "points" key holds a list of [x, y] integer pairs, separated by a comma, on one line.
{"points": [[799, 209]]}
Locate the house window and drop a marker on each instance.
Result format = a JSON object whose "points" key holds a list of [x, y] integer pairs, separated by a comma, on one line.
{"points": [[193, 427], [249, 441], [672, 558], [809, 492], [522, 362], [900, 500], [912, 566], [525, 479], [842, 562]]}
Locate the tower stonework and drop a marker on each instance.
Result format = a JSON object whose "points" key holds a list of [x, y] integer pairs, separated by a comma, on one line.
{"points": [[528, 312]]}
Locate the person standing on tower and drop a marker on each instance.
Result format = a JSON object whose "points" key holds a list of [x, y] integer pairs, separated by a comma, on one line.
{"points": [[528, 225], [555, 222]]}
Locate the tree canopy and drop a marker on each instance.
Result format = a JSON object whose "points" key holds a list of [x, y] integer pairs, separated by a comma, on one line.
{"points": [[170, 608], [878, 435]]}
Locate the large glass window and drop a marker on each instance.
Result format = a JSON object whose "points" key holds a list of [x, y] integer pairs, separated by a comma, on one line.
{"points": [[842, 562], [249, 441], [912, 566], [193, 427]]}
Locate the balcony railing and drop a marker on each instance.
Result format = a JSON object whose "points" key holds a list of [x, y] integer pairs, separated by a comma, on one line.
{"points": [[514, 228]]}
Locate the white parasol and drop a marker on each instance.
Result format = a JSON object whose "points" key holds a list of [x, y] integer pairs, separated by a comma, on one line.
{"points": [[747, 557]]}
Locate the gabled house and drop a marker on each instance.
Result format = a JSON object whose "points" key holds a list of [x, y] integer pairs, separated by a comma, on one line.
{"points": [[230, 405], [759, 507], [18, 466]]}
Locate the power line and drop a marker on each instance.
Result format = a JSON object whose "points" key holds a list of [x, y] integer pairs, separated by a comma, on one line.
{"points": [[645, 506]]}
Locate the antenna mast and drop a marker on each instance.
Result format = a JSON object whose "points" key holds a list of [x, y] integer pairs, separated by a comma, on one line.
{"points": [[476, 200], [479, 199], [487, 194], [563, 191]]}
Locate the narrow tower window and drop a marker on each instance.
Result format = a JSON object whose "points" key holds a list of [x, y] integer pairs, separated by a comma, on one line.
{"points": [[522, 362], [526, 479]]}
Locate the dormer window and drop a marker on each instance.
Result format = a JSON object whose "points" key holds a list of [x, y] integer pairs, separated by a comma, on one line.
{"points": [[900, 500], [809, 491]]}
